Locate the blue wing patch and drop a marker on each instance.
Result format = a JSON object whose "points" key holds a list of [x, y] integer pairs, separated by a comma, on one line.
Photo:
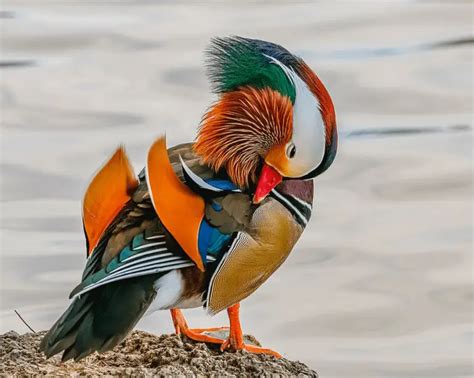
{"points": [[210, 240], [223, 185]]}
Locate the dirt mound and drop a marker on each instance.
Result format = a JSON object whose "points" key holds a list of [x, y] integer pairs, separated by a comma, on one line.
{"points": [[142, 354]]}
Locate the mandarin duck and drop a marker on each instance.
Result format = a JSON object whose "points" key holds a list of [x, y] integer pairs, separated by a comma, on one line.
{"points": [[204, 223]]}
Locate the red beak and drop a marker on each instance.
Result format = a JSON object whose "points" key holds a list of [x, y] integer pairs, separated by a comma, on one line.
{"points": [[269, 178]]}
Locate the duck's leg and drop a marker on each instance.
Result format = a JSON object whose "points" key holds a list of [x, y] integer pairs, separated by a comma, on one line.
{"points": [[236, 338], [196, 334]]}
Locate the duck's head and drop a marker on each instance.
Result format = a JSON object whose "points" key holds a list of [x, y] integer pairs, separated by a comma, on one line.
{"points": [[273, 120]]}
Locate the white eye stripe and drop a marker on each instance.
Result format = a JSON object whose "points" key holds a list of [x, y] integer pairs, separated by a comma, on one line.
{"points": [[309, 131]]}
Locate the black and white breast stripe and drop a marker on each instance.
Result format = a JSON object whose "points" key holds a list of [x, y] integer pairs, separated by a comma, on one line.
{"points": [[300, 209]]}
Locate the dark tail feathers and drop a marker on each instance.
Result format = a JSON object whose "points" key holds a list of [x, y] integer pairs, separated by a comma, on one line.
{"points": [[100, 319]]}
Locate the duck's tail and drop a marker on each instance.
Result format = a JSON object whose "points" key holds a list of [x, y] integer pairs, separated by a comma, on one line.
{"points": [[100, 319]]}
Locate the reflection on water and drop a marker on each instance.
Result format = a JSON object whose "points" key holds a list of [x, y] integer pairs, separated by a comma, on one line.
{"points": [[368, 52], [380, 284], [396, 131], [16, 63], [7, 14]]}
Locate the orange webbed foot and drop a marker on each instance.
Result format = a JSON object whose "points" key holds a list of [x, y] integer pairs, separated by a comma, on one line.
{"points": [[235, 341], [197, 334]]}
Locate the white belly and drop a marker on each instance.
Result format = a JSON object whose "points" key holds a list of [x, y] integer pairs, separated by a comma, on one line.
{"points": [[169, 290]]}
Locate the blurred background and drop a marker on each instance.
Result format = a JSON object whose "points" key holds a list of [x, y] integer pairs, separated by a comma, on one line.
{"points": [[380, 283]]}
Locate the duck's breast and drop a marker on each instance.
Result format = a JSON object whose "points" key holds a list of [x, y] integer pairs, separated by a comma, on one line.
{"points": [[254, 255]]}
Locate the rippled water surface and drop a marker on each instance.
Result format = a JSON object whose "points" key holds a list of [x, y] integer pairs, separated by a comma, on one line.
{"points": [[381, 282]]}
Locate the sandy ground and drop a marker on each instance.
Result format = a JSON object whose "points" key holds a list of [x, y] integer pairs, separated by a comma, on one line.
{"points": [[143, 354], [381, 282]]}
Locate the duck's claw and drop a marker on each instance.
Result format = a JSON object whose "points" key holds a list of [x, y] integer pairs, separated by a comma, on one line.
{"points": [[230, 344]]}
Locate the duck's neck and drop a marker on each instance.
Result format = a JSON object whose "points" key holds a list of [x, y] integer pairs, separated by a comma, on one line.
{"points": [[297, 197]]}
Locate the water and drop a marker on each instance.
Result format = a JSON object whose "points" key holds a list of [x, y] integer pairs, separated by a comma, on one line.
{"points": [[380, 284]]}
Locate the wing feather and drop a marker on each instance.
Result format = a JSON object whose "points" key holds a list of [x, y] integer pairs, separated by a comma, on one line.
{"points": [[106, 195], [179, 208], [145, 255]]}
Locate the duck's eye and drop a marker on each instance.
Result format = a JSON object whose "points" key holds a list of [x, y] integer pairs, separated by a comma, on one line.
{"points": [[291, 151]]}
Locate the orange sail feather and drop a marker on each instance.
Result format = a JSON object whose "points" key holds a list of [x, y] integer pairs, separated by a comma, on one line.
{"points": [[179, 208], [108, 192]]}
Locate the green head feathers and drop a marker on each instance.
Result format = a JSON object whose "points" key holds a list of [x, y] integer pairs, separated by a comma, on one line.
{"points": [[235, 61]]}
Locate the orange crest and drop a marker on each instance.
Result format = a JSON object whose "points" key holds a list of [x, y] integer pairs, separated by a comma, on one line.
{"points": [[241, 128]]}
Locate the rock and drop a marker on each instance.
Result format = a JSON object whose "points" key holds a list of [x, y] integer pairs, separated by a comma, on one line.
{"points": [[11, 335], [143, 355]]}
